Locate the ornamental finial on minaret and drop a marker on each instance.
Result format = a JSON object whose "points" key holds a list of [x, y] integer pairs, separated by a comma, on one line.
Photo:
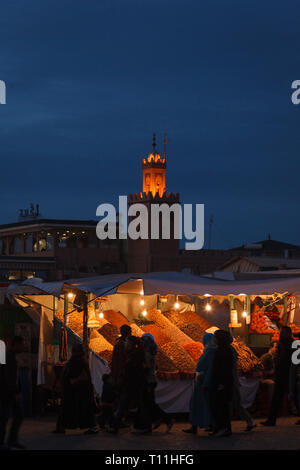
{"points": [[154, 159], [154, 143]]}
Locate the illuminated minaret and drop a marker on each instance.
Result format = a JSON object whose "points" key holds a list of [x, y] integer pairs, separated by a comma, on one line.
{"points": [[162, 254]]}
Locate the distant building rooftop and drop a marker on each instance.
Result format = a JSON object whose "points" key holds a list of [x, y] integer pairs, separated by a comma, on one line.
{"points": [[52, 222]]}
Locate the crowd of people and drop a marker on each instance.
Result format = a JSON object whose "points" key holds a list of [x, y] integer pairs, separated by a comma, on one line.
{"points": [[128, 394]]}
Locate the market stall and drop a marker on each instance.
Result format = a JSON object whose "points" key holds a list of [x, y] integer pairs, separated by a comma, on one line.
{"points": [[176, 308]]}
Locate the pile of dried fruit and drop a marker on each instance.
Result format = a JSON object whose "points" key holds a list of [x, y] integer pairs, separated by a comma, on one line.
{"points": [[179, 356], [181, 319], [260, 323], [74, 321], [115, 318], [136, 330], [98, 343], [164, 363], [110, 333], [158, 334], [194, 331], [247, 361], [107, 356], [194, 349], [169, 329]]}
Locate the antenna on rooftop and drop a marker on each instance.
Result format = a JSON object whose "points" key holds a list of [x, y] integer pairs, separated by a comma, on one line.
{"points": [[211, 221], [166, 140]]}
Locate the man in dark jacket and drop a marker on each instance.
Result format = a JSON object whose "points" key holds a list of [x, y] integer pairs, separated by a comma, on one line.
{"points": [[10, 396], [283, 361]]}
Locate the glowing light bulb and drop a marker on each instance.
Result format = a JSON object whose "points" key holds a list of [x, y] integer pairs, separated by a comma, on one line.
{"points": [[70, 295], [144, 313], [142, 292], [208, 307], [142, 302], [101, 315], [244, 314], [176, 305]]}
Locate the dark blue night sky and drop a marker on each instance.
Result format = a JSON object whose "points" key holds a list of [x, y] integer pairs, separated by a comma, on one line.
{"points": [[88, 82]]}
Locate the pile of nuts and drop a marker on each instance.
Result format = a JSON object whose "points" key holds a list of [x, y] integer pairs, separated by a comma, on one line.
{"points": [[179, 356], [158, 334], [115, 318], [194, 331], [98, 343], [110, 333], [169, 329]]}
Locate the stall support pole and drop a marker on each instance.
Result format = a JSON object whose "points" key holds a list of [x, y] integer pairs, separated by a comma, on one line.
{"points": [[89, 298], [54, 307], [231, 307], [196, 304], [85, 320], [285, 299], [248, 318], [158, 303], [66, 309]]}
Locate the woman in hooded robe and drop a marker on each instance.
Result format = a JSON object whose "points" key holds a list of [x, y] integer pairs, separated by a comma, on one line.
{"points": [[78, 393], [150, 411], [200, 405]]}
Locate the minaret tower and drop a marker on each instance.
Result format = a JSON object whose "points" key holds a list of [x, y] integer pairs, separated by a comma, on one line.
{"points": [[153, 255]]}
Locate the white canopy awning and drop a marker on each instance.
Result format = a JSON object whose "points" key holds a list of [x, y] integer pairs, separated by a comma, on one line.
{"points": [[160, 283]]}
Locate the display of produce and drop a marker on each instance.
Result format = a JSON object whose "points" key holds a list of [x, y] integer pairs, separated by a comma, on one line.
{"points": [[178, 337], [179, 356], [194, 349], [115, 318], [158, 334], [295, 328], [260, 323], [107, 356], [136, 330], [272, 313], [295, 331], [247, 361], [164, 363], [74, 321], [98, 343], [194, 331], [110, 333], [181, 319], [169, 328]]}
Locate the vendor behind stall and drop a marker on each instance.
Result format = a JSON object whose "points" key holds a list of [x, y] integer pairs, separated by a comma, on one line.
{"points": [[268, 373], [119, 356]]}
